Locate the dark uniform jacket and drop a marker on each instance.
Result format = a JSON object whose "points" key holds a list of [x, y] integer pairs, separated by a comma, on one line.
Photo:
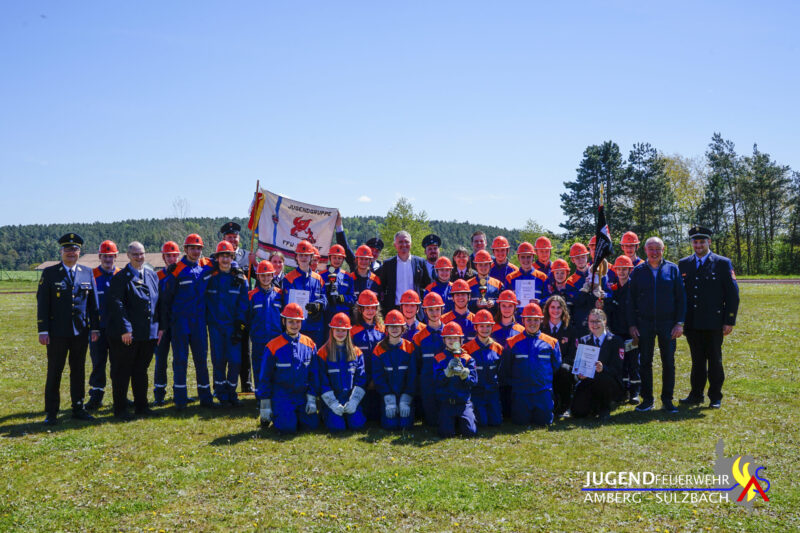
{"points": [[656, 299], [566, 337], [388, 276], [132, 304], [612, 352], [712, 294], [66, 309]]}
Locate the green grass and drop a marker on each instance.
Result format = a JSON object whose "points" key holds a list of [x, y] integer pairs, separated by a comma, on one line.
{"points": [[200, 471]]}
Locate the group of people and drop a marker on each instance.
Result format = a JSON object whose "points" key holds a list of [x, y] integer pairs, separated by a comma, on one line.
{"points": [[459, 343]]}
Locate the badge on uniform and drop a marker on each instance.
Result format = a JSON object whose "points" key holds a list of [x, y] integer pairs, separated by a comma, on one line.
{"points": [[622, 353], [564, 340]]}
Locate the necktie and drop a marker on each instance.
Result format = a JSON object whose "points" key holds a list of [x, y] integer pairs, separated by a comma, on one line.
{"points": [[71, 276], [597, 342]]}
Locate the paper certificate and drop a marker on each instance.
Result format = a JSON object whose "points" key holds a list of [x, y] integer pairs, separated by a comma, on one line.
{"points": [[525, 290], [585, 359], [301, 298]]}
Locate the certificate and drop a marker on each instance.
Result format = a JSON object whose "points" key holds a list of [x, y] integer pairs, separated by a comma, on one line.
{"points": [[525, 289], [301, 298], [585, 359]]}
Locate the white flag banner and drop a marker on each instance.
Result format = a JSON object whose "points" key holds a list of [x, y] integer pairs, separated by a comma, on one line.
{"points": [[285, 222]]}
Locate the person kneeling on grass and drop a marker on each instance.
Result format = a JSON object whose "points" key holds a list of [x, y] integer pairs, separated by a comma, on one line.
{"points": [[455, 375], [287, 385], [342, 379], [394, 370]]}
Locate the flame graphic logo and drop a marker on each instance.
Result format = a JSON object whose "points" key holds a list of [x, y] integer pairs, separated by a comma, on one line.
{"points": [[742, 477]]}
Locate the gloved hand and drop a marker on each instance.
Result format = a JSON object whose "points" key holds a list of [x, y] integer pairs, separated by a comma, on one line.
{"points": [[463, 373], [391, 405], [404, 410], [313, 308], [238, 332], [355, 398], [338, 409], [333, 404], [450, 371], [339, 299], [311, 404], [265, 410]]}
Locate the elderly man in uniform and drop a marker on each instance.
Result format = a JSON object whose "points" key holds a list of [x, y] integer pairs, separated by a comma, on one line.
{"points": [[67, 310], [401, 273], [712, 304], [431, 243]]}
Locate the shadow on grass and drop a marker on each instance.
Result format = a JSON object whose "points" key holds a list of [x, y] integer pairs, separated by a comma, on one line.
{"points": [[629, 417]]}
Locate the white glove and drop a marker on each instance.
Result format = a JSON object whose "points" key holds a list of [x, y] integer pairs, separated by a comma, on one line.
{"points": [[265, 410], [355, 398], [463, 373], [330, 400], [311, 404], [448, 372], [391, 405], [405, 406]]}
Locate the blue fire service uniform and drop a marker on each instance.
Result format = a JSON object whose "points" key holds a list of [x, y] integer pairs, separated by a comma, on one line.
{"points": [[501, 272], [413, 329], [612, 273], [340, 377], [543, 268], [394, 371], [443, 290], [183, 310], [226, 312], [453, 395], [264, 322], [288, 376], [366, 338], [297, 280], [427, 343], [370, 282], [98, 350], [583, 302], [344, 299], [528, 364], [465, 321], [615, 308], [501, 334], [515, 280], [493, 289], [162, 348], [486, 393]]}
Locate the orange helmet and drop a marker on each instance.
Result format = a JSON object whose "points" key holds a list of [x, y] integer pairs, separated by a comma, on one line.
{"points": [[265, 267], [500, 242], [559, 264], [460, 285], [225, 247], [623, 261], [340, 321], [452, 329], [482, 317], [593, 241], [108, 247], [578, 249], [363, 251], [336, 249], [394, 318], [543, 243], [410, 297], [316, 252], [304, 247], [368, 298], [629, 237], [432, 299], [170, 247], [525, 248], [442, 263], [482, 256], [193, 239], [532, 310], [508, 296], [292, 311]]}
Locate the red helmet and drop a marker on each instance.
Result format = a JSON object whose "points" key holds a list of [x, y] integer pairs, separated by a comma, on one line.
{"points": [[304, 247], [578, 249], [432, 299], [316, 252], [525, 248], [500, 242], [394, 318], [483, 317], [170, 247], [559, 264], [410, 297], [482, 256], [108, 247], [508, 296], [543, 243], [368, 298], [225, 247], [292, 310], [532, 310], [442, 263], [593, 241], [452, 329], [340, 321], [623, 261], [336, 249], [193, 239], [265, 267], [363, 251], [629, 237], [460, 285]]}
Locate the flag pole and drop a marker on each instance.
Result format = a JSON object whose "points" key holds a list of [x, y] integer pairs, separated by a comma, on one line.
{"points": [[253, 233]]}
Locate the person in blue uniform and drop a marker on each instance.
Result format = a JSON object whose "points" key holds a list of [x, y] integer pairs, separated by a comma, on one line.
{"points": [[368, 330], [460, 292], [441, 283], [99, 349], [615, 308], [339, 285], [543, 248], [501, 267], [364, 279], [557, 324], [170, 253], [487, 354], [304, 285], [431, 244], [263, 314], [342, 379], [529, 284], [506, 327], [394, 371], [712, 305], [454, 377], [484, 288], [66, 311], [376, 246], [427, 343], [410, 307], [132, 331]]}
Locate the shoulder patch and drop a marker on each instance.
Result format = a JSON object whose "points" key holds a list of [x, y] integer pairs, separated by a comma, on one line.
{"points": [[252, 293], [291, 276], [448, 317], [378, 351], [307, 341], [323, 353], [439, 357], [179, 266], [277, 343], [407, 346], [515, 339], [97, 272], [471, 346], [548, 339]]}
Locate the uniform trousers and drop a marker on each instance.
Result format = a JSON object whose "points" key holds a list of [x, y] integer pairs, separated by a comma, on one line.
{"points": [[129, 364], [59, 350], [706, 348], [594, 395]]}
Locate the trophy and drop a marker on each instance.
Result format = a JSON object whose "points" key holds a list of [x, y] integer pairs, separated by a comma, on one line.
{"points": [[483, 302], [332, 290]]}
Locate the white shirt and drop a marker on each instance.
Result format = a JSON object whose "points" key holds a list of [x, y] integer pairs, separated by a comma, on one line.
{"points": [[405, 278]]}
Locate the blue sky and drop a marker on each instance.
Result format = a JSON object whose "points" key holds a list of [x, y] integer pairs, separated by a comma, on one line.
{"points": [[475, 111]]}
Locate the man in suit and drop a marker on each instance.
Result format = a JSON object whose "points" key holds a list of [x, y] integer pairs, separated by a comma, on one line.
{"points": [[132, 331], [401, 273], [67, 310], [712, 296]]}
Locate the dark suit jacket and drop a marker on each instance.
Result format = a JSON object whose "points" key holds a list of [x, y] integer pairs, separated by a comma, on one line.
{"points": [[612, 352], [388, 276], [132, 305], [66, 309], [469, 274], [712, 294]]}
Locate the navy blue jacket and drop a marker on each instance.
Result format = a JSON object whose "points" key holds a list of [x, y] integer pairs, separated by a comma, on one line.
{"points": [[712, 293], [66, 309], [133, 304], [656, 299]]}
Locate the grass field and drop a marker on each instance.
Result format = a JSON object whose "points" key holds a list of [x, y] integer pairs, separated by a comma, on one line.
{"points": [[203, 471]]}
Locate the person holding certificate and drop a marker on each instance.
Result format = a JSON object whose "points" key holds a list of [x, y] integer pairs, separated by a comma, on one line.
{"points": [[305, 288]]}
